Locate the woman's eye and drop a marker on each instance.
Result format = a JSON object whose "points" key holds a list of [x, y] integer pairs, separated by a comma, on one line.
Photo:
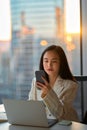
{"points": [[46, 61], [54, 61]]}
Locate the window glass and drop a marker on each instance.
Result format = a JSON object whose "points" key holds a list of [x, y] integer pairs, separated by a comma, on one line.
{"points": [[84, 37], [33, 25]]}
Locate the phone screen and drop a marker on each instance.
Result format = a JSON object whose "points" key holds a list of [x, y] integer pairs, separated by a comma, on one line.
{"points": [[39, 75]]}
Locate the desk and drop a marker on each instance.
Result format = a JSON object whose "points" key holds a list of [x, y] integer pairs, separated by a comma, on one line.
{"points": [[74, 126]]}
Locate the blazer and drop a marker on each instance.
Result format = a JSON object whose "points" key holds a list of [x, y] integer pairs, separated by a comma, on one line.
{"points": [[59, 100]]}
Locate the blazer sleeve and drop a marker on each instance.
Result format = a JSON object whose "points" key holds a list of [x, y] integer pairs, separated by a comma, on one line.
{"points": [[32, 92], [59, 106]]}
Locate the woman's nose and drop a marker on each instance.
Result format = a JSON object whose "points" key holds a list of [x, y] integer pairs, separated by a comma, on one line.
{"points": [[49, 64]]}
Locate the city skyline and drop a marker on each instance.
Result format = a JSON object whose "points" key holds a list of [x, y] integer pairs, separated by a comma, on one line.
{"points": [[33, 23], [34, 13]]}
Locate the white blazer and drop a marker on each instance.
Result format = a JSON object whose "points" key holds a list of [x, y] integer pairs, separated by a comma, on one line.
{"points": [[59, 100]]}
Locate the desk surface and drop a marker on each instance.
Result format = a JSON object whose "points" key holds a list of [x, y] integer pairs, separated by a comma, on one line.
{"points": [[74, 126]]}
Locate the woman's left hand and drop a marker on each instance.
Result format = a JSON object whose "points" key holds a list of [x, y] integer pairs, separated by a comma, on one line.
{"points": [[45, 88]]}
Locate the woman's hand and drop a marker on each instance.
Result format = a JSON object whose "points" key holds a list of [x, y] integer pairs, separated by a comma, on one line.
{"points": [[45, 88]]}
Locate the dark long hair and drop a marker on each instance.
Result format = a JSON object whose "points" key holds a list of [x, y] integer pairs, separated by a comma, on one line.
{"points": [[64, 71]]}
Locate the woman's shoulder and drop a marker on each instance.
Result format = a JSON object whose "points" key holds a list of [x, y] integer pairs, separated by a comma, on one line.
{"points": [[70, 83], [67, 82]]}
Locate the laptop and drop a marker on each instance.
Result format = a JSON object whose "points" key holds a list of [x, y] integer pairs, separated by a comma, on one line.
{"points": [[30, 113]]}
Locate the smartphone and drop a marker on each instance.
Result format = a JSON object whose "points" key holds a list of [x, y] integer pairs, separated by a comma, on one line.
{"points": [[39, 75], [65, 122]]}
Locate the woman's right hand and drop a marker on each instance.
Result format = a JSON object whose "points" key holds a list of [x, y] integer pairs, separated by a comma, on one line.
{"points": [[45, 88]]}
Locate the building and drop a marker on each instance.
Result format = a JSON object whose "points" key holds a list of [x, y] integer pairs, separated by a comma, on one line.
{"points": [[32, 21]]}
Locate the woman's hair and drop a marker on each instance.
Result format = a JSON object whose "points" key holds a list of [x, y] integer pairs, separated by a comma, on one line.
{"points": [[64, 71]]}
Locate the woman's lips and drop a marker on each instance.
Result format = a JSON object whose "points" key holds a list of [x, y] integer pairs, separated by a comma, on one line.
{"points": [[50, 69]]}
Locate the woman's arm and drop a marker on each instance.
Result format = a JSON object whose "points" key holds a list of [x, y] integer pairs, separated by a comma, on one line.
{"points": [[32, 91], [60, 106]]}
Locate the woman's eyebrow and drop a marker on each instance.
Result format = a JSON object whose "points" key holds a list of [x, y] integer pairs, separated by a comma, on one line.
{"points": [[45, 58], [51, 59], [54, 58]]}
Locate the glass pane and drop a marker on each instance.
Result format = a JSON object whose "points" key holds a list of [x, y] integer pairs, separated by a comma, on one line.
{"points": [[35, 24], [84, 37]]}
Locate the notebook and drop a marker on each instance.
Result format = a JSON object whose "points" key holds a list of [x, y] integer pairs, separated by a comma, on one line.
{"points": [[30, 113]]}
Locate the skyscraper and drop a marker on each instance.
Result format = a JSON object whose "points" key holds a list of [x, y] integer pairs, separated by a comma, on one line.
{"points": [[32, 22]]}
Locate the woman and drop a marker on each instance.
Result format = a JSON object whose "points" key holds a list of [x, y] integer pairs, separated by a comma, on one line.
{"points": [[60, 88]]}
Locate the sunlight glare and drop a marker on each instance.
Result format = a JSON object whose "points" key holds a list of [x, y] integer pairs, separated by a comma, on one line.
{"points": [[72, 16], [5, 20]]}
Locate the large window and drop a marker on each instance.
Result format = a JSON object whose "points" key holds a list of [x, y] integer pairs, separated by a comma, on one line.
{"points": [[27, 27]]}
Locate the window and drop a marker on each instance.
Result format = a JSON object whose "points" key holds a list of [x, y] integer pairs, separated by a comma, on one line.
{"points": [[33, 25]]}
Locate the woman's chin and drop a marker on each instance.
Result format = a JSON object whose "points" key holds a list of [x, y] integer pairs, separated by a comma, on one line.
{"points": [[50, 73]]}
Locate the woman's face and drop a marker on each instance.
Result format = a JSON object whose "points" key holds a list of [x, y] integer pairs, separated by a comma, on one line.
{"points": [[51, 63]]}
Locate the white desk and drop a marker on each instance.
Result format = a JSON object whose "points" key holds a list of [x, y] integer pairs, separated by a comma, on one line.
{"points": [[74, 126]]}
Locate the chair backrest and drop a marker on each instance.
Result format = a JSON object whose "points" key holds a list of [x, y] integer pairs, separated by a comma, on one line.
{"points": [[82, 95], [85, 118]]}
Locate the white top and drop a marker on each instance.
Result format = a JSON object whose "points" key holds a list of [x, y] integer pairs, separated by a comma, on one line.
{"points": [[59, 100]]}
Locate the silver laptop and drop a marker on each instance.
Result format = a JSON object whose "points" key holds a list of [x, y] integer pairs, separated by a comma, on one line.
{"points": [[32, 113]]}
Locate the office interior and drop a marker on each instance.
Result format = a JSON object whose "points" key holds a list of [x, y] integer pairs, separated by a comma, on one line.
{"points": [[26, 29]]}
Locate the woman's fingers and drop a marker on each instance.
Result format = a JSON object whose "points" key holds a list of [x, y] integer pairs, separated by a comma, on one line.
{"points": [[41, 86], [45, 81], [44, 87]]}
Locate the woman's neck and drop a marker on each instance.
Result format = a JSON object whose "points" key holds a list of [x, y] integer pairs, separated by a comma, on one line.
{"points": [[52, 80]]}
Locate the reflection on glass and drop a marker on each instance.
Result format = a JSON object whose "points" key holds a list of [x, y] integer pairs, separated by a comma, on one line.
{"points": [[34, 25], [72, 23], [72, 18], [5, 20]]}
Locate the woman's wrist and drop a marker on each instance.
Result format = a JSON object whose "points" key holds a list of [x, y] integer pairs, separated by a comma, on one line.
{"points": [[43, 95]]}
